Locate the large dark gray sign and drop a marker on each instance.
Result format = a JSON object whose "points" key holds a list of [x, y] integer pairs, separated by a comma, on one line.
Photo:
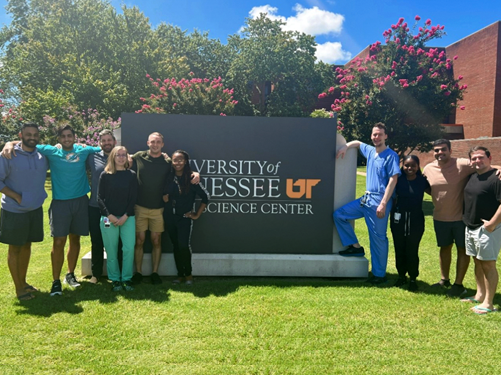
{"points": [[271, 180]]}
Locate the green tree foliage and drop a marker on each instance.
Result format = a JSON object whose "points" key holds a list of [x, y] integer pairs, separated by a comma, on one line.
{"points": [[9, 120], [403, 84], [80, 52], [283, 60]]}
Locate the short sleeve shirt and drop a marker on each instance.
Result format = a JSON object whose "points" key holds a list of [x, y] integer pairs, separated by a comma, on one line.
{"points": [[67, 170], [447, 186], [380, 167]]}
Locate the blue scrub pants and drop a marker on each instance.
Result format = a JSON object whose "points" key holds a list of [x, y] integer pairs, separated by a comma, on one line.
{"points": [[377, 230]]}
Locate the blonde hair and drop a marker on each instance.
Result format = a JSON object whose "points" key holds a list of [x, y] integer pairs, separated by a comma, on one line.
{"points": [[110, 165]]}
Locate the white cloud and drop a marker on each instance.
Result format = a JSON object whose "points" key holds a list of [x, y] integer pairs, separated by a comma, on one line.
{"points": [[255, 12], [332, 52], [313, 21]]}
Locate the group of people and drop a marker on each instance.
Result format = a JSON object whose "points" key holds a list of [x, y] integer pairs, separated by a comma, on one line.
{"points": [[466, 194], [129, 195], [151, 191]]}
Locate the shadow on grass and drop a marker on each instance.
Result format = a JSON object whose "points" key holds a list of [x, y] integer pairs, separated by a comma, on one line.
{"points": [[71, 300], [222, 286]]}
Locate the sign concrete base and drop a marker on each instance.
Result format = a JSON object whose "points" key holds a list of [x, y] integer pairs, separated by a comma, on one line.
{"points": [[285, 265]]}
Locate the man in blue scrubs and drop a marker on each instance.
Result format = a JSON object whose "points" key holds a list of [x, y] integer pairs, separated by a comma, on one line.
{"points": [[375, 205]]}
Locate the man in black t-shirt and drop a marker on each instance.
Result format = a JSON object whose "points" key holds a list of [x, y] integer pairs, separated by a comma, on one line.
{"points": [[482, 217]]}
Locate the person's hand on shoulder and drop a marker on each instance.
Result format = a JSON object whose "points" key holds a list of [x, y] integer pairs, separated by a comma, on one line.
{"points": [[8, 151]]}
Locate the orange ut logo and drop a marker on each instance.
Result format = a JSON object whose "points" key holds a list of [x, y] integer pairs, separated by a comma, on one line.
{"points": [[304, 186]]}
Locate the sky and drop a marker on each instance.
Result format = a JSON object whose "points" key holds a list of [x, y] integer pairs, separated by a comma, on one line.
{"points": [[342, 27]]}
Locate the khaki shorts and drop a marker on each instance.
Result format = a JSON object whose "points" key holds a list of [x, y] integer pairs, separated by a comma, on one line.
{"points": [[482, 244], [147, 218]]}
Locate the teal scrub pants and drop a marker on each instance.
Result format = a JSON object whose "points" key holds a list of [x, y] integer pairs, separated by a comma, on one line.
{"points": [[127, 233]]}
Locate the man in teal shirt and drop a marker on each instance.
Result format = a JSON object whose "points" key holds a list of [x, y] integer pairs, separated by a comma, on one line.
{"points": [[68, 212]]}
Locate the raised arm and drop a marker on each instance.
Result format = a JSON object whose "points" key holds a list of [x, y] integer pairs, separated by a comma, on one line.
{"points": [[8, 149], [342, 151]]}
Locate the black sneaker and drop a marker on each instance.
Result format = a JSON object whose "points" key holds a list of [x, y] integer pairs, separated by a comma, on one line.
{"points": [[127, 285], [401, 281], [116, 286], [444, 283], [456, 291], [378, 280], [57, 289], [155, 279], [352, 251], [413, 286], [137, 278], [71, 280]]}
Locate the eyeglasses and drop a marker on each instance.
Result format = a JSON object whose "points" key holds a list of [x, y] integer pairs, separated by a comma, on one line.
{"points": [[121, 155]]}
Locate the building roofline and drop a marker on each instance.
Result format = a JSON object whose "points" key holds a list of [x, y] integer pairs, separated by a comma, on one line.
{"points": [[460, 40]]}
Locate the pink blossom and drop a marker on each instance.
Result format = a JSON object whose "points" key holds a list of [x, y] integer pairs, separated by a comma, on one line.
{"points": [[417, 18], [460, 77], [447, 93], [222, 114], [322, 95], [331, 115], [443, 87], [405, 85], [419, 78], [462, 108], [331, 89], [147, 76], [428, 22], [342, 87], [174, 105], [455, 57]]}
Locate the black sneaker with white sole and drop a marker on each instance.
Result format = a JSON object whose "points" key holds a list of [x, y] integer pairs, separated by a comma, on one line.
{"points": [[71, 280], [353, 251], [57, 289]]}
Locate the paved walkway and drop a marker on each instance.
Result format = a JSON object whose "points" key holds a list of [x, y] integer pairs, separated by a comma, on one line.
{"points": [[362, 173]]}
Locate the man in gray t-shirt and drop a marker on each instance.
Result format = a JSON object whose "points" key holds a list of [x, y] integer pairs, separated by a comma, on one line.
{"points": [[95, 164]]}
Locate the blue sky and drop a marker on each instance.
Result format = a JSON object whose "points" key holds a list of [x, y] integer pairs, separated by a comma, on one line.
{"points": [[342, 27]]}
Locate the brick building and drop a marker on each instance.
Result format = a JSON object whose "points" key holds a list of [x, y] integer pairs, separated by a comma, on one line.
{"points": [[479, 62]]}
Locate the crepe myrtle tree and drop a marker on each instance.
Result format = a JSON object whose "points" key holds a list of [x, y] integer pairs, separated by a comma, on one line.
{"points": [[86, 123], [194, 96], [403, 83]]}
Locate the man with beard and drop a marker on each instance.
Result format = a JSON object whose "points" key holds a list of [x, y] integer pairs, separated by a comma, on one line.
{"points": [[374, 205], [22, 182], [447, 177], [95, 164], [68, 212]]}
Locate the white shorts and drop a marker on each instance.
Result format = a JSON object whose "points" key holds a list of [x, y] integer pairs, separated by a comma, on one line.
{"points": [[482, 244]]}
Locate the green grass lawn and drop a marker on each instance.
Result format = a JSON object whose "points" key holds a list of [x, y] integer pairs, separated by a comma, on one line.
{"points": [[246, 325]]}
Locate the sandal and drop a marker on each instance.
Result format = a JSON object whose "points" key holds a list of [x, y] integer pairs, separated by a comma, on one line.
{"points": [[25, 297]]}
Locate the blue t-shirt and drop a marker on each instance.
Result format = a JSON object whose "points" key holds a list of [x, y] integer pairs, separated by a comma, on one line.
{"points": [[67, 170], [380, 167]]}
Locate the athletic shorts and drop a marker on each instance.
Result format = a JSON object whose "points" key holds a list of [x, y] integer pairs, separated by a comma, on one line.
{"points": [[149, 218], [482, 244], [19, 228], [449, 232], [69, 216]]}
